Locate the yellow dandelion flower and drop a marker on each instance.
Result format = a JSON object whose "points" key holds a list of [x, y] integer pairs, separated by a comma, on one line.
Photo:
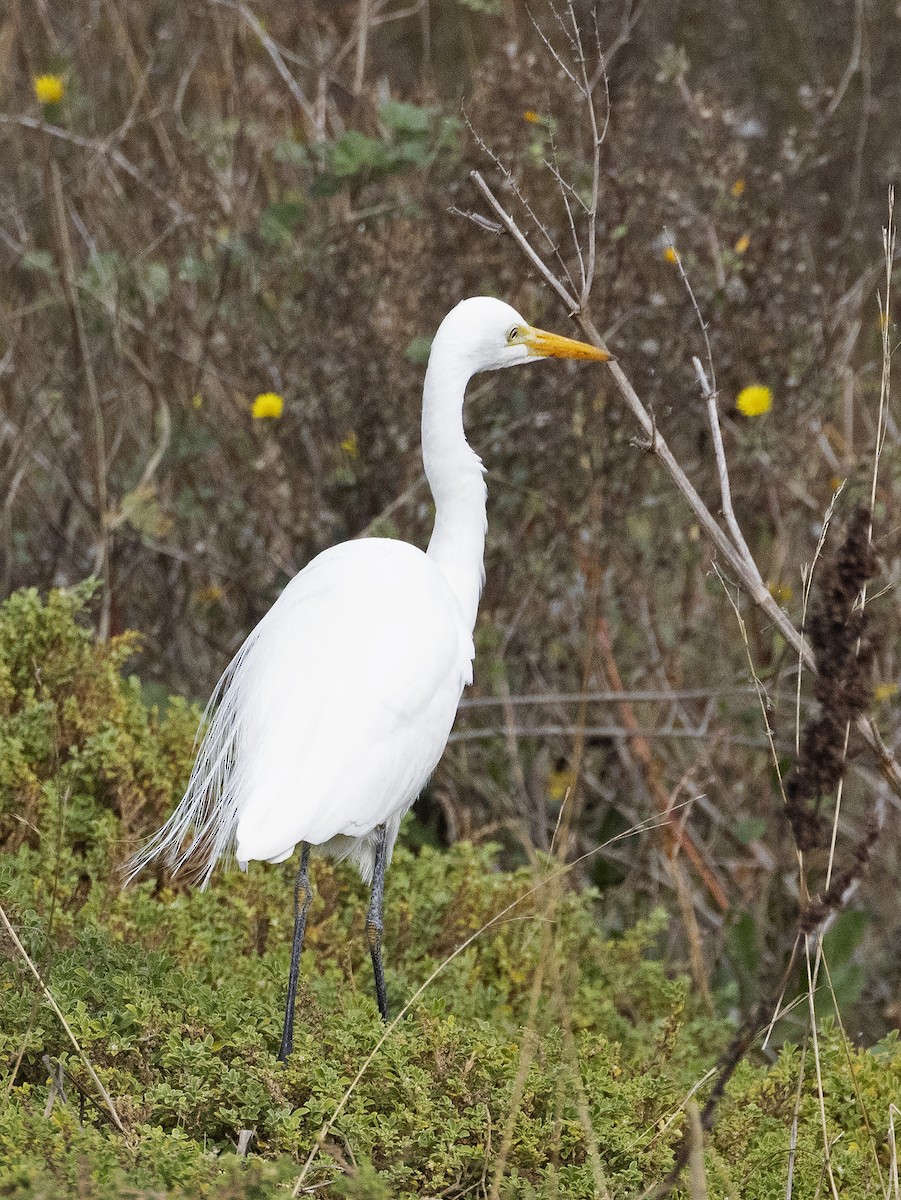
{"points": [[531, 116], [742, 244], [884, 691], [671, 254], [267, 405], [351, 445], [754, 401], [737, 188], [559, 782], [49, 89], [211, 594]]}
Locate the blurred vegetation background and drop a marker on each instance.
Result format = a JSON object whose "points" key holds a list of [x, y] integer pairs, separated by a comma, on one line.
{"points": [[208, 203]]}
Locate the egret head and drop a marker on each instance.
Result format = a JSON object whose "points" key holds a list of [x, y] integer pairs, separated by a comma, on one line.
{"points": [[487, 334]]}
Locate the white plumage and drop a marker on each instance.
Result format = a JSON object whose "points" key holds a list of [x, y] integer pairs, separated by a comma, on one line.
{"points": [[390, 686], [333, 714]]}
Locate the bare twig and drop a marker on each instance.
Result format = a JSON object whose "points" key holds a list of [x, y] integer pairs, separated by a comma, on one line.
{"points": [[713, 417], [306, 108], [640, 695], [525, 246], [853, 64], [827, 1155], [735, 556], [793, 1134], [48, 996], [697, 1174], [101, 147], [512, 183], [95, 424], [616, 732]]}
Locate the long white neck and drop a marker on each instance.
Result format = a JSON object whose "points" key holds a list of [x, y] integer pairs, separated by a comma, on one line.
{"points": [[456, 477]]}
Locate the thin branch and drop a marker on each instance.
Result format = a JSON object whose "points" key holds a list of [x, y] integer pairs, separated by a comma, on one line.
{"points": [[565, 185], [101, 147], [648, 695], [306, 108], [484, 223], [66, 267], [713, 417], [627, 23], [597, 139], [572, 225], [853, 64], [363, 23], [523, 200], [523, 242], [550, 46], [48, 996], [614, 732], [736, 557], [821, 1096]]}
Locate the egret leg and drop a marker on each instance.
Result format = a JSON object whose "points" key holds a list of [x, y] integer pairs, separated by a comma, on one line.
{"points": [[303, 894], [374, 918]]}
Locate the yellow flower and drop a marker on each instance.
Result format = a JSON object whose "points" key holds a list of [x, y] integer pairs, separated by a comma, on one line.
{"points": [[351, 445], [559, 782], [781, 592], [754, 401], [671, 254], [884, 691], [211, 594], [197, 400], [531, 116], [49, 89], [742, 244], [266, 405], [737, 188]]}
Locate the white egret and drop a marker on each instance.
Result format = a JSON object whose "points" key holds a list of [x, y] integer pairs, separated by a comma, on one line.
{"points": [[337, 708]]}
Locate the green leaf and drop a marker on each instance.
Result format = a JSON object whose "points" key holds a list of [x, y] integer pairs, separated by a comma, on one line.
{"points": [[749, 829], [287, 150], [38, 260], [154, 282], [192, 269], [844, 937], [744, 946], [490, 8], [405, 118], [354, 152], [418, 350], [143, 512], [279, 220]]}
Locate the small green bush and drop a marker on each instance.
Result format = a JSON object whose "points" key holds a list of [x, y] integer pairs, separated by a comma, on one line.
{"points": [[83, 762], [176, 999]]}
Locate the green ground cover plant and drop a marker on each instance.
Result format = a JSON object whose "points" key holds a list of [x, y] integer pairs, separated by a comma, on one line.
{"points": [[174, 996]]}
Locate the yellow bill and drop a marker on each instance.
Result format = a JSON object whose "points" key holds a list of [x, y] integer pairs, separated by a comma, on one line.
{"points": [[551, 345]]}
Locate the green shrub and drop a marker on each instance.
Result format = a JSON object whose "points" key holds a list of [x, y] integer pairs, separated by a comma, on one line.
{"points": [[175, 998]]}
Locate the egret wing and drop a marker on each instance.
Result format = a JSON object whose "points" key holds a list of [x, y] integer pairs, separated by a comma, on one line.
{"points": [[333, 713]]}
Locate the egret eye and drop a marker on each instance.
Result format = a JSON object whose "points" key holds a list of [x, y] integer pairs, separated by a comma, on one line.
{"points": [[513, 334]]}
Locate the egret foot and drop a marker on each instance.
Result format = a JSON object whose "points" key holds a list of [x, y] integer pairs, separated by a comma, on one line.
{"points": [[301, 908]]}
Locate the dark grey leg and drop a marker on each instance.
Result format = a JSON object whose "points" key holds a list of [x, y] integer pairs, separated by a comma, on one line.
{"points": [[374, 919], [301, 907]]}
